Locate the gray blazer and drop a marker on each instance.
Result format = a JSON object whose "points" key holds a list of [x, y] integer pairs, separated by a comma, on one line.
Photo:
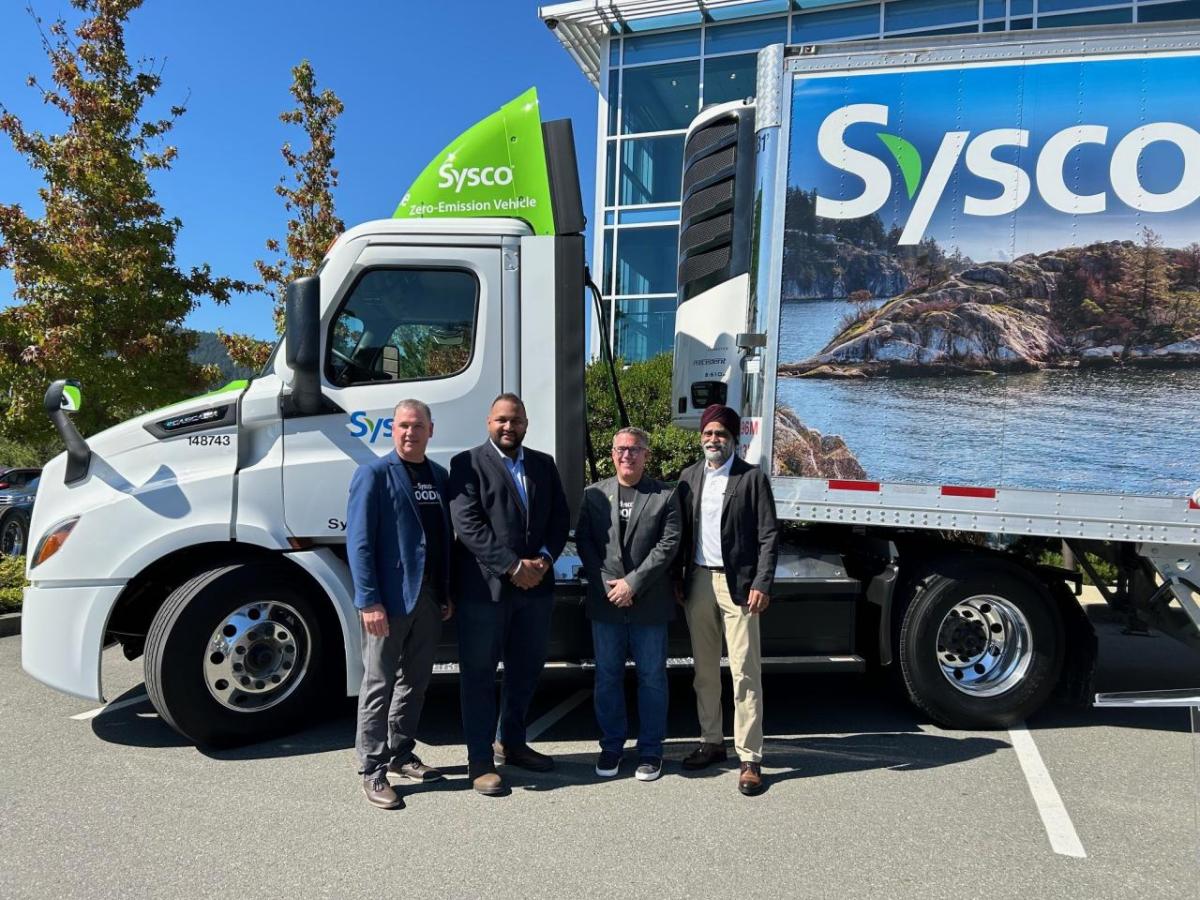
{"points": [[645, 560]]}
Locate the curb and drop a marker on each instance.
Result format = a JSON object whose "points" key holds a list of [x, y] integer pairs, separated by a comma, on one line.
{"points": [[10, 624]]}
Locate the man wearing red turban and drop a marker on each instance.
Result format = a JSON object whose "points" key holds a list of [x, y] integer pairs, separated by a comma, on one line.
{"points": [[728, 563]]}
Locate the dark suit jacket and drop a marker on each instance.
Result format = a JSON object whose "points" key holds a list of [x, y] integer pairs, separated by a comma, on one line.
{"points": [[645, 558], [385, 540], [493, 527], [748, 529]]}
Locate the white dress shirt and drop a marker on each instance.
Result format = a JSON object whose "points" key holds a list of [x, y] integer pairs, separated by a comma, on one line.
{"points": [[712, 498]]}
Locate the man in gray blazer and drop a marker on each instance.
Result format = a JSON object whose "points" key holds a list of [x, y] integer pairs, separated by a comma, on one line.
{"points": [[627, 536]]}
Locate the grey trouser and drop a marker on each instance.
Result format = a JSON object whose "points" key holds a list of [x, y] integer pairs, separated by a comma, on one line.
{"points": [[396, 672]]}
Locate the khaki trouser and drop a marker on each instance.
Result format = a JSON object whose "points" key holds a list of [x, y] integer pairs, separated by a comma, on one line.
{"points": [[710, 611]]}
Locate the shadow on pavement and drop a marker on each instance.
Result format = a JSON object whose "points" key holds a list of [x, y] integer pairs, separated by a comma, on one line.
{"points": [[815, 725]]}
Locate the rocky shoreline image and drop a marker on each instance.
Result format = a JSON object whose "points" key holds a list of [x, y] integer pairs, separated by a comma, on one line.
{"points": [[1121, 303], [804, 452]]}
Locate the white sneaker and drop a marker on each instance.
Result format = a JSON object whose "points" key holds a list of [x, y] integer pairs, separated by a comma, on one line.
{"points": [[649, 768]]}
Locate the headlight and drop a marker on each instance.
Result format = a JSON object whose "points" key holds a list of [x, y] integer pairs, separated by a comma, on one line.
{"points": [[52, 541]]}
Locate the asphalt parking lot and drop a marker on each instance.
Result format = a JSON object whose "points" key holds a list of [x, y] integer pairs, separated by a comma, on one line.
{"points": [[865, 798]]}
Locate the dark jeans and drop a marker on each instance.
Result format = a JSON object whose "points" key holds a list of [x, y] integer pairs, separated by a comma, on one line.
{"points": [[647, 644], [396, 672], [516, 630]]}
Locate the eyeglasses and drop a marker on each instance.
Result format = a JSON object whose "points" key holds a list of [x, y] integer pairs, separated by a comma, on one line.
{"points": [[629, 451]]}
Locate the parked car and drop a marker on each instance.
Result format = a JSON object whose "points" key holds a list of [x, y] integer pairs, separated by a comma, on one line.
{"points": [[11, 476], [16, 507]]}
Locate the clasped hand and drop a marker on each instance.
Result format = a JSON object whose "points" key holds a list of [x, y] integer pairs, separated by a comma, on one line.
{"points": [[530, 572], [620, 594]]}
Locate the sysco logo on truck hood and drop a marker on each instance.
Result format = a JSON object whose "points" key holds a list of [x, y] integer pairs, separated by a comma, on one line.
{"points": [[472, 176], [1070, 140]]}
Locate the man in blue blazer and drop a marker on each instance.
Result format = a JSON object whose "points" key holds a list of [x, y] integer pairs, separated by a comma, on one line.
{"points": [[399, 541], [511, 520]]}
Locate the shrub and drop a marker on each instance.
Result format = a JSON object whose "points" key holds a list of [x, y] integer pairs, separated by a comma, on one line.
{"points": [[646, 390], [12, 582]]}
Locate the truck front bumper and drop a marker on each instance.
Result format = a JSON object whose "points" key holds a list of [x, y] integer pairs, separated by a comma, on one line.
{"points": [[62, 635]]}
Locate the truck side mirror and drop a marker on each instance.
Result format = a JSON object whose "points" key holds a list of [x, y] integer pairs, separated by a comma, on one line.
{"points": [[303, 343], [64, 397]]}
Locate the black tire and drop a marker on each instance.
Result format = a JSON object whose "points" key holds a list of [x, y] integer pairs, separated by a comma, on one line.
{"points": [[14, 533], [180, 640], [957, 584]]}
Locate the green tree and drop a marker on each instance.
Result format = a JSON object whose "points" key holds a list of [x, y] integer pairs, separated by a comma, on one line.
{"points": [[646, 390], [307, 191], [100, 296], [1143, 288]]}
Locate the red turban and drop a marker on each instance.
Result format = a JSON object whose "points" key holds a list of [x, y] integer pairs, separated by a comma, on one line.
{"points": [[724, 416]]}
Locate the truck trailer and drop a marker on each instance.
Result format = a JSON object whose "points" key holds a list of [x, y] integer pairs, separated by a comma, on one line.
{"points": [[952, 285]]}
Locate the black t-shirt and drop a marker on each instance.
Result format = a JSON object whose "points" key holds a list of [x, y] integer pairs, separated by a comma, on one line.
{"points": [[625, 497], [429, 503]]}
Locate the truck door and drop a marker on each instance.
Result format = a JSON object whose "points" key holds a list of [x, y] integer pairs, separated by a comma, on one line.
{"points": [[413, 321]]}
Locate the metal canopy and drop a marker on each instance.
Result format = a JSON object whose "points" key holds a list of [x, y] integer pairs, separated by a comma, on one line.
{"points": [[582, 25]]}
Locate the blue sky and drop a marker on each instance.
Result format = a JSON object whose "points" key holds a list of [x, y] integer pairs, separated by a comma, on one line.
{"points": [[1044, 99], [412, 76]]}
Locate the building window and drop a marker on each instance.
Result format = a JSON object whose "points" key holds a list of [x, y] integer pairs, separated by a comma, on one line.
{"points": [[903, 14], [644, 48], [835, 24], [644, 328], [651, 170], [660, 98], [404, 325], [1095, 17], [730, 78], [745, 35], [646, 260], [1165, 12]]}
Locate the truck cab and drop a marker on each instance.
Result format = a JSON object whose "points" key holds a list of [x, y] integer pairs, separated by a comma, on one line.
{"points": [[210, 535]]}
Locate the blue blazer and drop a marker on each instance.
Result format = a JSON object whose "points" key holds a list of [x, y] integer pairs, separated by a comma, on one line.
{"points": [[385, 540]]}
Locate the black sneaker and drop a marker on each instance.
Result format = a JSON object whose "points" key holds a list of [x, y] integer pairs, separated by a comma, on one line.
{"points": [[608, 763], [649, 768]]}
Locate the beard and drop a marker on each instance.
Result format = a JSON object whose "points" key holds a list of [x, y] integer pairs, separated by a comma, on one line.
{"points": [[718, 454]]}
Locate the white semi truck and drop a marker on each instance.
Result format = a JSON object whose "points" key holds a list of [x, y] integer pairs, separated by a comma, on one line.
{"points": [[946, 281]]}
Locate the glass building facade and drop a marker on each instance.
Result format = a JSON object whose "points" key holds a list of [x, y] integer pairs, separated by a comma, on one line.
{"points": [[653, 80]]}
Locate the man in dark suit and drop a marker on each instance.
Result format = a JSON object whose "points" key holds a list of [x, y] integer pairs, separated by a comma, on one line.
{"points": [[511, 518], [398, 540], [728, 564], [627, 535]]}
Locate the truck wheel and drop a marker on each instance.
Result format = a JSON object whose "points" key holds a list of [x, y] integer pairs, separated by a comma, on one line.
{"points": [[14, 533], [981, 644], [235, 655]]}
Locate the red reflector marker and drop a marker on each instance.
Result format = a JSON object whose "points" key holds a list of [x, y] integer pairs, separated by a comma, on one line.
{"points": [[957, 490], [1192, 504], [837, 485]]}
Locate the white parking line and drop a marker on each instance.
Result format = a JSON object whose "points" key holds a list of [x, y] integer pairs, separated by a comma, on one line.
{"points": [[542, 723], [120, 704], [1055, 819]]}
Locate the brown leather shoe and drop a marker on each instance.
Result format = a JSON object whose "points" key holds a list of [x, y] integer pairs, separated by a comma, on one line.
{"points": [[380, 793], [522, 756], [750, 781], [415, 770], [705, 755], [489, 784]]}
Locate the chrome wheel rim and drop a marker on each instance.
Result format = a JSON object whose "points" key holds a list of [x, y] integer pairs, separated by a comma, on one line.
{"points": [[257, 656], [984, 645]]}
